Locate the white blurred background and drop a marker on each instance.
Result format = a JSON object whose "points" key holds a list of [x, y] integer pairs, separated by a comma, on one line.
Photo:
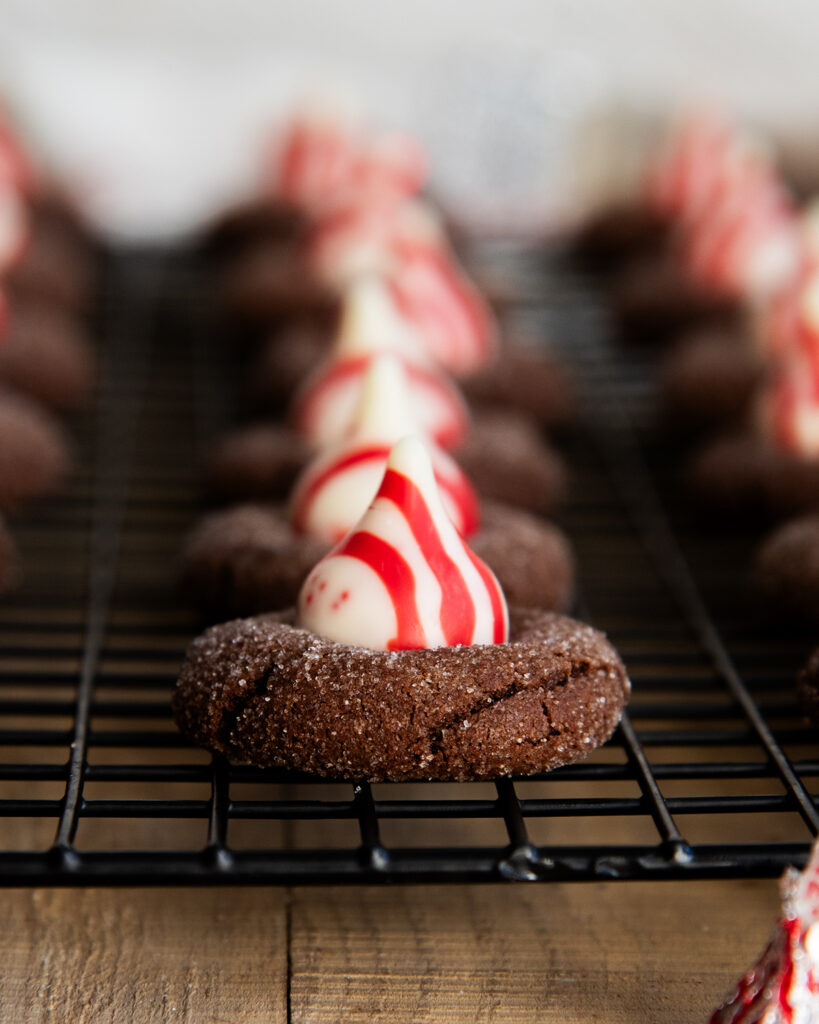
{"points": [[155, 112]]}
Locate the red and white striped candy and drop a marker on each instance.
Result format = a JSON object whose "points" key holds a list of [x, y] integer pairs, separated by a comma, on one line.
{"points": [[404, 242], [746, 242], [453, 321], [692, 165], [403, 578], [322, 160], [783, 985], [390, 165], [335, 488], [324, 408], [360, 235], [316, 154]]}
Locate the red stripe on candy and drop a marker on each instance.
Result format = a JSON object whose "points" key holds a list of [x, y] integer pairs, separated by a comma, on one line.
{"points": [[397, 576], [457, 606], [498, 617], [303, 499]]}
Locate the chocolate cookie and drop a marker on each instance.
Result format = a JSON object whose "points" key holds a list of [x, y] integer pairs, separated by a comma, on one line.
{"points": [[9, 563], [708, 380], [245, 560], [653, 302], [525, 378], [745, 476], [267, 284], [256, 220], [532, 558], [33, 451], [53, 211], [53, 269], [283, 363], [46, 355], [786, 570], [260, 462], [266, 692], [617, 234], [507, 459], [807, 687]]}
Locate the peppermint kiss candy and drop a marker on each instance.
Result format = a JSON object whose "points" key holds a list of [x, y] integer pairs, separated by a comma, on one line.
{"points": [[335, 489], [324, 160], [692, 164], [746, 242], [315, 158], [392, 165], [403, 578], [324, 409], [359, 235], [452, 319], [405, 243], [783, 985]]}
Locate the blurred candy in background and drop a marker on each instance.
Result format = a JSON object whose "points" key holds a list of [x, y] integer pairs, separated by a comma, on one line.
{"points": [[156, 113]]}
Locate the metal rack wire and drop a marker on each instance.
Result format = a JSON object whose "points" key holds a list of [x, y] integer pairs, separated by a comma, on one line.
{"points": [[712, 773]]}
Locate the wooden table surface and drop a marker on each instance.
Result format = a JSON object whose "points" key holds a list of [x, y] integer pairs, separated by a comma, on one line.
{"points": [[599, 952], [568, 953]]}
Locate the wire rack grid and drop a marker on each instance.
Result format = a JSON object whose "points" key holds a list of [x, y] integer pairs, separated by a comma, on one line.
{"points": [[711, 774]]}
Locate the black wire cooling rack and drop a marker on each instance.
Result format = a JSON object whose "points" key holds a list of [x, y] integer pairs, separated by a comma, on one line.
{"points": [[712, 773]]}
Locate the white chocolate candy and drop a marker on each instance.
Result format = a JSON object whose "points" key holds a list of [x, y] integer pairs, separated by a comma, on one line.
{"points": [[334, 490], [403, 577], [326, 405], [370, 322]]}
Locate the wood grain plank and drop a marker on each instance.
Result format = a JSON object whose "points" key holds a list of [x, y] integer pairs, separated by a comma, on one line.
{"points": [[608, 953], [214, 956]]}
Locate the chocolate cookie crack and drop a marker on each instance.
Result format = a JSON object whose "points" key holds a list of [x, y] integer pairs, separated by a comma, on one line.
{"points": [[232, 712], [435, 735]]}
